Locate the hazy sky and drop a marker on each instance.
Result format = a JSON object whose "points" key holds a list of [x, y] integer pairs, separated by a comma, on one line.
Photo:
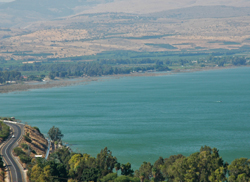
{"points": [[150, 6], [6, 0]]}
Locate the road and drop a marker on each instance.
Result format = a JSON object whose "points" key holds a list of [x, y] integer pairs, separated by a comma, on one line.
{"points": [[6, 152]]}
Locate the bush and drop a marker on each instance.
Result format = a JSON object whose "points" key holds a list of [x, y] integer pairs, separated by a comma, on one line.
{"points": [[25, 159], [18, 151], [24, 146], [37, 129], [26, 138]]}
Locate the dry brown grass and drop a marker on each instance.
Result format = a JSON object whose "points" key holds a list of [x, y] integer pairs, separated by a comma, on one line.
{"points": [[107, 34], [38, 144]]}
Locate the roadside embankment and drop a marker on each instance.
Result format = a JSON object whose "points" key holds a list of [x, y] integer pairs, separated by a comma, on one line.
{"points": [[35, 140], [32, 143]]}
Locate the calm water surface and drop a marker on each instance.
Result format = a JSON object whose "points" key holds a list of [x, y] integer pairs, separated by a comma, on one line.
{"points": [[142, 118]]}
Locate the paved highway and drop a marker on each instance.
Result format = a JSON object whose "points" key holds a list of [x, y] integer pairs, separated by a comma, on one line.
{"points": [[6, 152]]}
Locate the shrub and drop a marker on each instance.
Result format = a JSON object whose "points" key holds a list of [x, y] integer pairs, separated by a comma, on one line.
{"points": [[24, 146], [18, 151], [37, 129], [25, 159], [26, 138]]}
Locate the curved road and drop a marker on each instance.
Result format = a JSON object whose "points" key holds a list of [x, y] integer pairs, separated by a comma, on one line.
{"points": [[6, 152]]}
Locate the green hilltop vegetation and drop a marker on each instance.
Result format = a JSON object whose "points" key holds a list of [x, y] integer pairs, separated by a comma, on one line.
{"points": [[205, 165]]}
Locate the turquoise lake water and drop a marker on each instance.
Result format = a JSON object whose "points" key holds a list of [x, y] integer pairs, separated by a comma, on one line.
{"points": [[142, 118]]}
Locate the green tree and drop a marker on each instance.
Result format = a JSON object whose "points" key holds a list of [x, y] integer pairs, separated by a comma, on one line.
{"points": [[105, 161], [126, 169], [146, 170], [25, 158], [55, 134], [239, 170], [172, 168], [205, 166], [156, 170]]}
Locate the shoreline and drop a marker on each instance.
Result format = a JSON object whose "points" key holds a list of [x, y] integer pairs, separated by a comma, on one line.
{"points": [[79, 80]]}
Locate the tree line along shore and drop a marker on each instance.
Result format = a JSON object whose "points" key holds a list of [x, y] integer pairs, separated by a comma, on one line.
{"points": [[17, 77], [65, 165]]}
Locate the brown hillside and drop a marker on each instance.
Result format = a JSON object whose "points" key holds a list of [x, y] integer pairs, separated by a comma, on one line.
{"points": [[38, 142]]}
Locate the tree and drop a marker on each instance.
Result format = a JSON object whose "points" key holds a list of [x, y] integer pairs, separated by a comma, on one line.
{"points": [[146, 170], [239, 170], [105, 161], [55, 134], [126, 169], [25, 158], [156, 170], [172, 168], [205, 166]]}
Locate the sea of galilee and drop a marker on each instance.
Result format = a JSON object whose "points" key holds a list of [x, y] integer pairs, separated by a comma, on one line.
{"points": [[142, 118]]}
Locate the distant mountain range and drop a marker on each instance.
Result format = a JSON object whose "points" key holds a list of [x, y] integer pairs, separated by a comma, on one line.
{"points": [[21, 13], [53, 8], [204, 12]]}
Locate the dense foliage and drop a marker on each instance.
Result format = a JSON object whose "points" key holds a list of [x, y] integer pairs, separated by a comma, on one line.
{"points": [[205, 165]]}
